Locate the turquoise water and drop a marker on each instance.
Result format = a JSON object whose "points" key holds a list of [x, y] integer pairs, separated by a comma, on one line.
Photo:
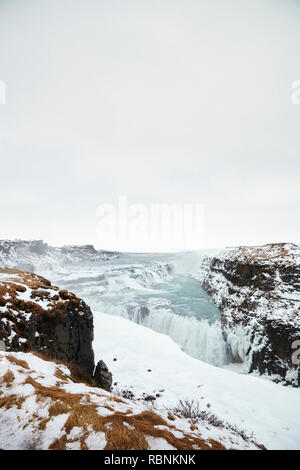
{"points": [[157, 291]]}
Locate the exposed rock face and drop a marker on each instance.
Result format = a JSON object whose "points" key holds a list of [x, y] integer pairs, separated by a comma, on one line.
{"points": [[102, 376], [34, 315], [258, 292], [37, 256]]}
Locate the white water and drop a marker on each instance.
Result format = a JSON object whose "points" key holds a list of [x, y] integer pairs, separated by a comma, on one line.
{"points": [[157, 291]]}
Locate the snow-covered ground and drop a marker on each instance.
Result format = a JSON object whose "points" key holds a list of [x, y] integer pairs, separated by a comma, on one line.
{"points": [[42, 408], [149, 362]]}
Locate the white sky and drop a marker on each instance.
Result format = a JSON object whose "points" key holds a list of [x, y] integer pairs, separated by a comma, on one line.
{"points": [[169, 101]]}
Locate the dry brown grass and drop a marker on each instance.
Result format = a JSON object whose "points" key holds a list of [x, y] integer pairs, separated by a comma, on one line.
{"points": [[55, 393], [40, 295], [80, 376], [147, 421], [18, 362], [60, 375], [9, 401], [8, 378], [32, 280], [120, 437], [46, 358], [59, 444], [266, 252], [58, 408], [123, 430], [43, 423], [116, 399], [83, 414]]}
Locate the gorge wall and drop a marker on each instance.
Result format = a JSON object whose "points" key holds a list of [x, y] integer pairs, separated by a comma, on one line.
{"points": [[258, 292]]}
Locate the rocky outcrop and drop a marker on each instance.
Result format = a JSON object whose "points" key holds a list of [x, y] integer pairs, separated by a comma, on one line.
{"points": [[102, 376], [34, 315], [258, 292], [37, 256]]}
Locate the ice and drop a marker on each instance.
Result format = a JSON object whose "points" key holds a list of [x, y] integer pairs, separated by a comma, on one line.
{"points": [[157, 291]]}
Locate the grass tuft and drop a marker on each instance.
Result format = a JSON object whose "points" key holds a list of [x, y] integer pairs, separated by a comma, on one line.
{"points": [[18, 362], [8, 378]]}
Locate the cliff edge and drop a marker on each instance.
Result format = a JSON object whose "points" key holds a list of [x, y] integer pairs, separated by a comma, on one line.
{"points": [[34, 315]]}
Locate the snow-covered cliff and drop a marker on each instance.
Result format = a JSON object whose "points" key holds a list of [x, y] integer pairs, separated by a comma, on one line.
{"points": [[258, 292], [34, 315], [37, 256]]}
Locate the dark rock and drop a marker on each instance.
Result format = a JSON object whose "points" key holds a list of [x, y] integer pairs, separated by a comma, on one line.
{"points": [[150, 398], [102, 376], [128, 394], [58, 326]]}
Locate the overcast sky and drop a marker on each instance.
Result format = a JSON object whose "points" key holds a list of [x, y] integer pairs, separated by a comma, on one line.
{"points": [[169, 101]]}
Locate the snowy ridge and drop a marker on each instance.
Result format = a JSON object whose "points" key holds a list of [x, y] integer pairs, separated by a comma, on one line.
{"points": [[41, 407], [37, 256]]}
